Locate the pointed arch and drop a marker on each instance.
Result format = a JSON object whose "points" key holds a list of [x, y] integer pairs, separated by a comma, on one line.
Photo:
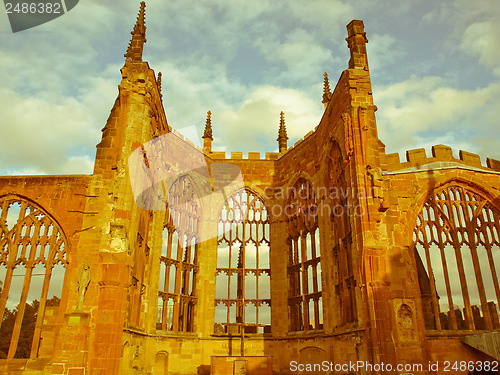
{"points": [[243, 295], [31, 241], [305, 300], [177, 297], [457, 250]]}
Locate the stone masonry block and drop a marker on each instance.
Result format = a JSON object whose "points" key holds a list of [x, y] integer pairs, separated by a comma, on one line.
{"points": [[493, 164], [392, 159], [442, 152], [416, 156], [470, 158], [218, 155], [272, 155]]}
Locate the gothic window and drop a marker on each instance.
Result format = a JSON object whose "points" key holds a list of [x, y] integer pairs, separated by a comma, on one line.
{"points": [[456, 241], [304, 259], [243, 272], [179, 259], [341, 237], [32, 265]]}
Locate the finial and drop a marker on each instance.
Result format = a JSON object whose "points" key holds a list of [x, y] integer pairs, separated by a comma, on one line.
{"points": [[208, 126], [327, 94], [282, 137], [134, 51], [158, 82]]}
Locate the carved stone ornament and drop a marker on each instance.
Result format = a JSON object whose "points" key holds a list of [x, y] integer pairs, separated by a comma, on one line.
{"points": [[83, 283]]}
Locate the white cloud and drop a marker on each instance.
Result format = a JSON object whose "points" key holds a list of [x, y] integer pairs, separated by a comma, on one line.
{"points": [[482, 39], [254, 125], [382, 51], [424, 111], [66, 73]]}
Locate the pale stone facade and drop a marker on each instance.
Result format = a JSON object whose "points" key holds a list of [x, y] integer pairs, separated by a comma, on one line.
{"points": [[354, 281]]}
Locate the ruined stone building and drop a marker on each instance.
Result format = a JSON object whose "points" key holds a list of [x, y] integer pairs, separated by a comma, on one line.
{"points": [[175, 259]]}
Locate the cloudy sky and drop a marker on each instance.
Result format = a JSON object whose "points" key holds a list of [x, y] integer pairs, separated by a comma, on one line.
{"points": [[435, 68]]}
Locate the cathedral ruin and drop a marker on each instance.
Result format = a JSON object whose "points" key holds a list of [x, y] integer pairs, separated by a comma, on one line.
{"points": [[175, 259]]}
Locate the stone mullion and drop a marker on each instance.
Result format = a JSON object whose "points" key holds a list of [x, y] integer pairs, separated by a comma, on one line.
{"points": [[305, 289], [460, 264], [463, 281], [479, 279], [177, 288], [296, 268], [164, 313], [185, 271], [297, 301], [435, 301], [229, 275], [491, 261], [41, 311], [241, 276], [21, 308], [257, 278], [185, 309], [314, 266], [291, 285], [194, 301], [6, 287], [165, 299], [12, 255], [448, 287], [445, 265], [166, 282]]}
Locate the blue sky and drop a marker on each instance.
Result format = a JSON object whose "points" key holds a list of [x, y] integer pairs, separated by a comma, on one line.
{"points": [[435, 69]]}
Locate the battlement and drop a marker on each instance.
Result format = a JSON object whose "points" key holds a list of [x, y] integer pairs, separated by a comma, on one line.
{"points": [[440, 153], [235, 155], [221, 155]]}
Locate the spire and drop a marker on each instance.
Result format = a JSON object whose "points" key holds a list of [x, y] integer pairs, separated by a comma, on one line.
{"points": [[134, 51], [158, 82], [208, 126], [327, 94], [282, 137], [207, 135]]}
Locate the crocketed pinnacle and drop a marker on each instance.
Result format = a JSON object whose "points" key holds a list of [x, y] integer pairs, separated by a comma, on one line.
{"points": [[282, 129], [134, 51], [282, 137], [208, 126], [327, 95], [158, 81]]}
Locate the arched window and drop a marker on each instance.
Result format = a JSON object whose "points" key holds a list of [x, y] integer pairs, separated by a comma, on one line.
{"points": [[456, 241], [341, 237], [243, 293], [304, 259], [32, 265], [179, 261]]}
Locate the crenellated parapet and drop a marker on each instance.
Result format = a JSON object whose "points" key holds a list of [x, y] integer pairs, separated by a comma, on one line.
{"points": [[417, 159]]}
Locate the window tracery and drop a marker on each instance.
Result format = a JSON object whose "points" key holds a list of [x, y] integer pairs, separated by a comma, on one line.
{"points": [[32, 265], [304, 259], [457, 250], [243, 293], [179, 258]]}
